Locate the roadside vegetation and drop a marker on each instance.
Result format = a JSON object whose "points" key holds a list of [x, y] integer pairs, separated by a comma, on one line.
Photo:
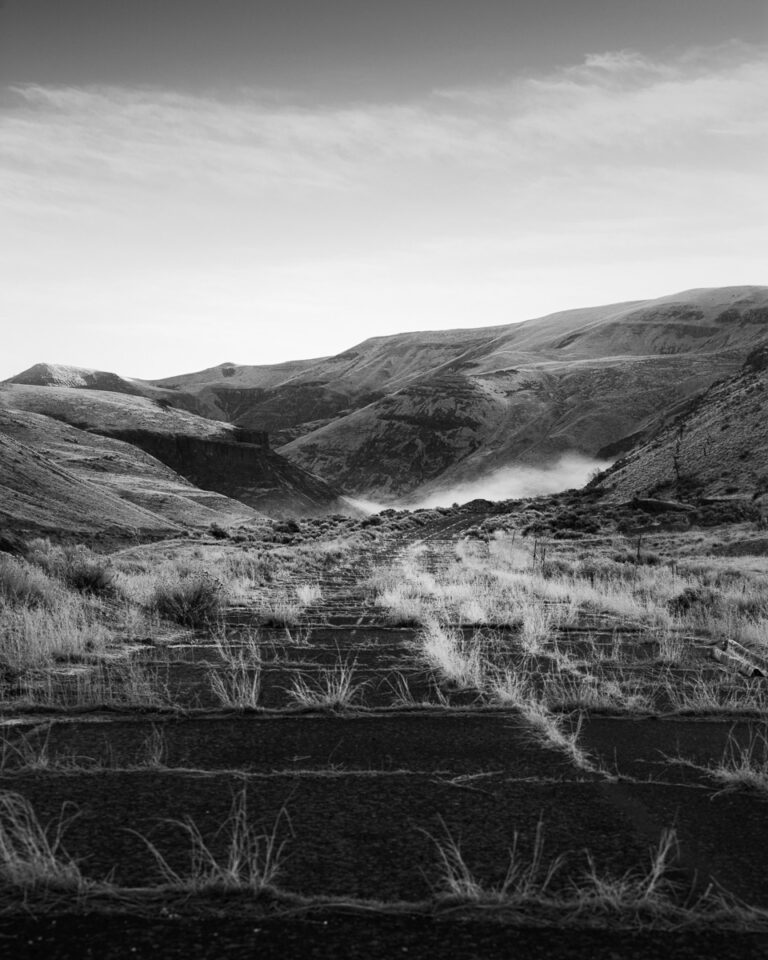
{"points": [[537, 620], [536, 888], [72, 619]]}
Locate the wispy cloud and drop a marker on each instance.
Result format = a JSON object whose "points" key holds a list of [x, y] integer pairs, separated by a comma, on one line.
{"points": [[537, 192], [63, 138]]}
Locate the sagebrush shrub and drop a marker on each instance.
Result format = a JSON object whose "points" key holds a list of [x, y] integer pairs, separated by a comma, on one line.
{"points": [[196, 600], [23, 583], [76, 566]]}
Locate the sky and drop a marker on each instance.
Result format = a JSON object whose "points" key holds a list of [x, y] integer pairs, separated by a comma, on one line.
{"points": [[188, 182]]}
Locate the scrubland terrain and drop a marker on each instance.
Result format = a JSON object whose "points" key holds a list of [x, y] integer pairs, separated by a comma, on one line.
{"points": [[491, 725], [235, 710]]}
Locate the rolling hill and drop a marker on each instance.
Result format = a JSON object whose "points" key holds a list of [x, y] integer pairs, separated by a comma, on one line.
{"points": [[396, 416], [593, 382]]}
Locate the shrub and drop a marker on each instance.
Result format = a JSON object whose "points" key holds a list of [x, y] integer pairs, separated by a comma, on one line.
{"points": [[218, 532], [559, 567], [89, 575], [76, 566], [286, 526], [192, 601], [23, 583], [696, 599]]}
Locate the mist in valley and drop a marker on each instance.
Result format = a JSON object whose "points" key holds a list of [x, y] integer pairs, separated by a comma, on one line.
{"points": [[507, 483]]}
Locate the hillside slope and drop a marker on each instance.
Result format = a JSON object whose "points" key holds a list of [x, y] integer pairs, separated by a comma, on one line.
{"points": [[717, 447], [419, 412], [102, 471], [213, 455], [39, 496], [84, 378], [589, 381]]}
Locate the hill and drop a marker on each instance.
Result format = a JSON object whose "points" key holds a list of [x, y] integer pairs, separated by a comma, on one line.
{"points": [[400, 416], [58, 479], [212, 455], [593, 382], [717, 446], [85, 378]]}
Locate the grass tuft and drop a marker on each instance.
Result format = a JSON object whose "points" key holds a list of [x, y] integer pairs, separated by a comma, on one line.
{"points": [[455, 658], [333, 689], [29, 857], [526, 881], [250, 863]]}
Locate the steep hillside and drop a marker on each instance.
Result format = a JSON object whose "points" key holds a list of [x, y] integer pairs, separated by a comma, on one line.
{"points": [[214, 456], [717, 446]]}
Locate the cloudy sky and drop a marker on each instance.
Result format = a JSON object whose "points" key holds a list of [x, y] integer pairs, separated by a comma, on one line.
{"points": [[184, 182]]}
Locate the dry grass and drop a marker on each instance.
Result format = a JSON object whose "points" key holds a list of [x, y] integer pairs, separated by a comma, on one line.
{"points": [[239, 860], [402, 695], [74, 565], [742, 766], [239, 685], [309, 593], [554, 730], [23, 583], [455, 658], [31, 752], [36, 636], [526, 880], [31, 858], [700, 694], [534, 889], [243, 645], [280, 609], [119, 684], [401, 607], [334, 688], [250, 863], [660, 607]]}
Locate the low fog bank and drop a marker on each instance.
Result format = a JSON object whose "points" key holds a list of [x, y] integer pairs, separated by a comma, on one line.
{"points": [[515, 483], [507, 483], [370, 506]]}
